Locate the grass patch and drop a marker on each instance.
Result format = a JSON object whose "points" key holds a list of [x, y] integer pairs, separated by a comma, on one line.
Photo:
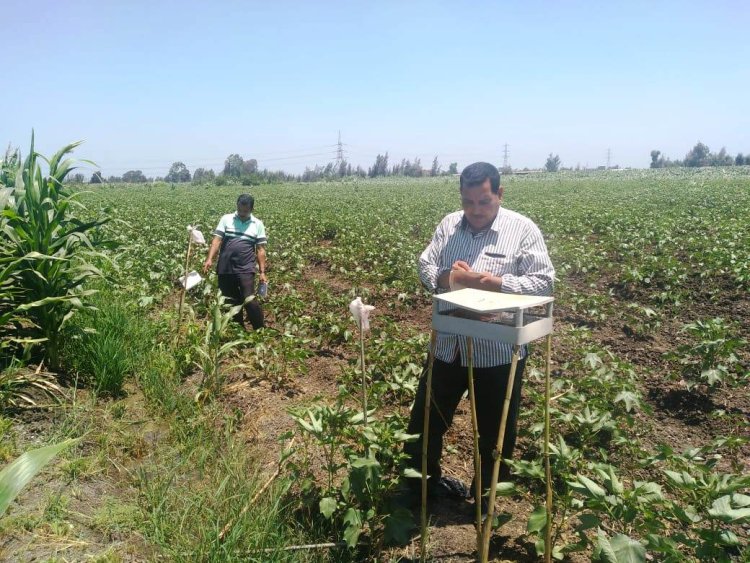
{"points": [[106, 345]]}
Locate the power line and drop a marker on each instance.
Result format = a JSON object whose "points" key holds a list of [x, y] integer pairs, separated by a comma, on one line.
{"points": [[505, 155]]}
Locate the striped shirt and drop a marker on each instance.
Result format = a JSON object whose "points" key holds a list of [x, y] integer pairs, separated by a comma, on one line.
{"points": [[239, 239], [512, 247]]}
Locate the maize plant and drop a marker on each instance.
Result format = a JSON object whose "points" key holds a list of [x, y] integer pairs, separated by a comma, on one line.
{"points": [[48, 245], [211, 352]]}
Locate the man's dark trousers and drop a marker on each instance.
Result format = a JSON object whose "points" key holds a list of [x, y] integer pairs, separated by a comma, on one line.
{"points": [[238, 287], [449, 382]]}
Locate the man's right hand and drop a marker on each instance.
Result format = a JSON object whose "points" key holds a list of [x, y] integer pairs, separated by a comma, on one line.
{"points": [[461, 266], [207, 265]]}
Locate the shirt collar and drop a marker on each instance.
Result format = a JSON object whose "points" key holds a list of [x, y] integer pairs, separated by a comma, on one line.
{"points": [[251, 218], [494, 226]]}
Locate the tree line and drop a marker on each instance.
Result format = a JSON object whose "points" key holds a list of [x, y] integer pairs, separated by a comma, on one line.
{"points": [[246, 172], [700, 155]]}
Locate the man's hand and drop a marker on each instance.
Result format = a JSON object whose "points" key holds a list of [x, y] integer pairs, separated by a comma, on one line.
{"points": [[476, 280], [490, 282], [262, 277], [461, 266], [207, 265]]}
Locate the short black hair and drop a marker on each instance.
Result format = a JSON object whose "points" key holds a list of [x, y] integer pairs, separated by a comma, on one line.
{"points": [[246, 200], [475, 175]]}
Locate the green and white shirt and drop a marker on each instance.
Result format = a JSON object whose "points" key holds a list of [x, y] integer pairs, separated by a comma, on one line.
{"points": [[240, 239]]}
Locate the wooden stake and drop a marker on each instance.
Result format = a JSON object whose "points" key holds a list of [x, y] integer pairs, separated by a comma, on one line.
{"points": [[477, 457], [547, 467], [425, 438], [364, 372], [498, 455], [184, 285]]}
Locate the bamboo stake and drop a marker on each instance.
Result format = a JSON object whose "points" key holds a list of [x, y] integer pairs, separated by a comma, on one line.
{"points": [[477, 458], [547, 467], [425, 438], [498, 455], [184, 285], [364, 372]]}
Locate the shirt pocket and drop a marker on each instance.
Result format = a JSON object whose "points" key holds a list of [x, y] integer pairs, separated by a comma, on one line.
{"points": [[496, 260]]}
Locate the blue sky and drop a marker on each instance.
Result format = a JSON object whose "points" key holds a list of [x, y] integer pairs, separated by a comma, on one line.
{"points": [[149, 83]]}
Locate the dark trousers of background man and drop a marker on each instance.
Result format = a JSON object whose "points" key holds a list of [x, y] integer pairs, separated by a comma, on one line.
{"points": [[238, 287], [449, 382]]}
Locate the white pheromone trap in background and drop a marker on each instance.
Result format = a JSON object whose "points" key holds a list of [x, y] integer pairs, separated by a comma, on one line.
{"points": [[501, 317]]}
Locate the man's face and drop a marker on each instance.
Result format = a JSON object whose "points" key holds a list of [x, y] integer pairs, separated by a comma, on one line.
{"points": [[480, 205], [243, 212]]}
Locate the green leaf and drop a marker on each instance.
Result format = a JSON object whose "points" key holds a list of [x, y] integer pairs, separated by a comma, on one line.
{"points": [[722, 510], [727, 537], [603, 551], [327, 506], [628, 550], [505, 489], [353, 521], [17, 475], [712, 376], [398, 525], [630, 399], [537, 520], [588, 487], [404, 437], [593, 360], [647, 490], [588, 521], [365, 462], [411, 473]]}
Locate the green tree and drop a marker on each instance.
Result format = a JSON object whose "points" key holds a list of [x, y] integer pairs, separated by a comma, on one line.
{"points": [[380, 168], [453, 168], [413, 169], [249, 166], [97, 178], [721, 158], [233, 166], [698, 156], [553, 163], [655, 162], [134, 177], [739, 160], [178, 172], [435, 169]]}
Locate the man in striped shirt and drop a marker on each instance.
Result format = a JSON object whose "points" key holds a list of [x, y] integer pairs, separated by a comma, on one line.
{"points": [[240, 239], [485, 247]]}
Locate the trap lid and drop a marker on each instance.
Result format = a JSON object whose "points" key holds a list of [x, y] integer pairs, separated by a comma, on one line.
{"points": [[481, 301]]}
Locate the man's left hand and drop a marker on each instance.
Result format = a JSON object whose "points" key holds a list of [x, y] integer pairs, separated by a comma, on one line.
{"points": [[262, 277]]}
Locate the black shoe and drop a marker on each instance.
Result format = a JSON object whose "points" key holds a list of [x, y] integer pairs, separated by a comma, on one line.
{"points": [[447, 487]]}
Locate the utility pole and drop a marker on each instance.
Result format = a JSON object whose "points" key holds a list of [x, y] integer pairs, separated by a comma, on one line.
{"points": [[505, 155], [339, 152], [609, 158]]}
